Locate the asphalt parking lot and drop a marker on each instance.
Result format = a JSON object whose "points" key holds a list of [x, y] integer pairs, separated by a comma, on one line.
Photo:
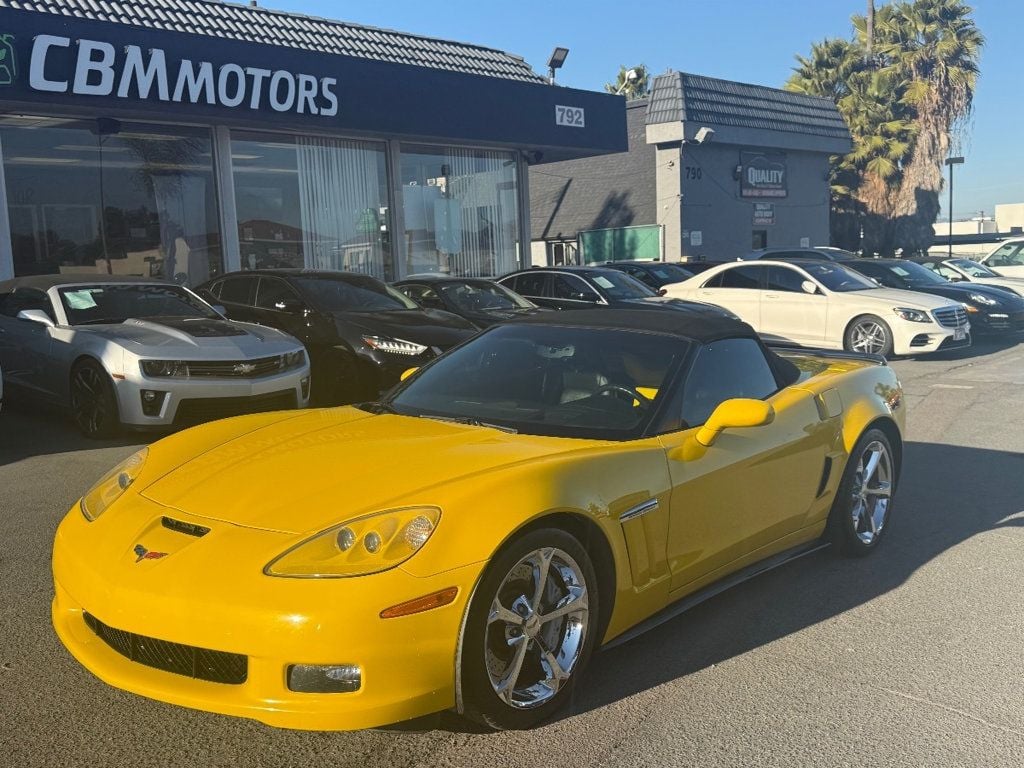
{"points": [[912, 657]]}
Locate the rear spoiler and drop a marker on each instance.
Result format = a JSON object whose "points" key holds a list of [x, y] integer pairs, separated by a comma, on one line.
{"points": [[840, 354]]}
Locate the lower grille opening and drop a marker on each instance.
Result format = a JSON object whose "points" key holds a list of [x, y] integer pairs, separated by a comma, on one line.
{"points": [[187, 660], [197, 410]]}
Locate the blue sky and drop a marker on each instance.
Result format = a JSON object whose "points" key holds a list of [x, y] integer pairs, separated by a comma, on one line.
{"points": [[747, 40]]}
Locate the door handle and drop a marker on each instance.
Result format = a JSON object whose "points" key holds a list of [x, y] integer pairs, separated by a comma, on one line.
{"points": [[771, 295]]}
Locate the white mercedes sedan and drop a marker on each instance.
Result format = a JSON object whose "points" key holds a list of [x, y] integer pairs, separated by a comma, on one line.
{"points": [[824, 304], [131, 352]]}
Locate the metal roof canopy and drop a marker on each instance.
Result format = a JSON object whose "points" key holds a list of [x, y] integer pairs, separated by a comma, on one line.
{"points": [[680, 104]]}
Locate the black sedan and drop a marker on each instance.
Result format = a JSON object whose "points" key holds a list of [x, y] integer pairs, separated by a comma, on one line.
{"points": [[590, 287], [654, 274], [361, 334], [482, 302], [991, 309]]}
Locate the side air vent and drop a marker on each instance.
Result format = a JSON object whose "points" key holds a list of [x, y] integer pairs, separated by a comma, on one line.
{"points": [[189, 529], [826, 473]]}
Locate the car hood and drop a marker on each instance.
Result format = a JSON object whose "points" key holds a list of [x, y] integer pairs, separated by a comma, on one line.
{"points": [[668, 302], [897, 297], [961, 292], [192, 336], [430, 327], [1015, 284], [309, 472]]}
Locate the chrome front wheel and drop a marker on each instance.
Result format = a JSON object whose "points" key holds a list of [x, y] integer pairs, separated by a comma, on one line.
{"points": [[536, 628], [531, 627], [869, 336]]}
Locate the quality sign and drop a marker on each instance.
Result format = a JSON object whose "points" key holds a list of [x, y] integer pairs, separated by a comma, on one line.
{"points": [[763, 174]]}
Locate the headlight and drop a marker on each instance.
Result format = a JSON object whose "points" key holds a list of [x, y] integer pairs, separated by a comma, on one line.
{"points": [[979, 298], [164, 369], [913, 315], [359, 547], [293, 360], [112, 485], [395, 346]]}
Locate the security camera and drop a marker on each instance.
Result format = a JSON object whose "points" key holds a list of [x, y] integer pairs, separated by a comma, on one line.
{"points": [[704, 136]]}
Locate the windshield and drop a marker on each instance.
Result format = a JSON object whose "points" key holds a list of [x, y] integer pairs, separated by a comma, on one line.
{"points": [[353, 293], [670, 273], [101, 304], [836, 277], [913, 273], [483, 295], [616, 285], [973, 268], [565, 382]]}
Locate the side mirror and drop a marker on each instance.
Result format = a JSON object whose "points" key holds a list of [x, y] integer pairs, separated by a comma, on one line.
{"points": [[291, 306], [808, 287], [662, 292], [407, 373], [220, 309], [36, 316], [735, 414]]}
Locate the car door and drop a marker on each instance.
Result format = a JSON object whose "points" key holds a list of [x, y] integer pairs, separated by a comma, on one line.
{"points": [[279, 306], [738, 289], [1008, 260], [25, 345], [751, 493], [532, 285], [788, 312], [572, 292], [237, 294]]}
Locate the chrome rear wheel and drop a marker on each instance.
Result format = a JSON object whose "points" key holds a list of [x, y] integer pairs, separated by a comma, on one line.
{"points": [[871, 492]]}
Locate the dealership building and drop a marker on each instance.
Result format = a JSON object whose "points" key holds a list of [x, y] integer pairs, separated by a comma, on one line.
{"points": [[714, 169], [180, 139]]}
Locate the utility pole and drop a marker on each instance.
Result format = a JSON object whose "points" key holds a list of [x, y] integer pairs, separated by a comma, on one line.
{"points": [[951, 161]]}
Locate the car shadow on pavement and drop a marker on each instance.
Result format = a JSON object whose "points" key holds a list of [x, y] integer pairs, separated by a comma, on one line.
{"points": [[947, 494], [30, 429], [983, 345]]}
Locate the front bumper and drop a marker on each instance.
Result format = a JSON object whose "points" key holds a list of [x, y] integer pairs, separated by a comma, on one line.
{"points": [[922, 338], [998, 322], [198, 595], [199, 397]]}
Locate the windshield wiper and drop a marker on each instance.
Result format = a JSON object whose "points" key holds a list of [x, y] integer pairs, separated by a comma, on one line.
{"points": [[103, 321], [378, 407], [472, 422]]}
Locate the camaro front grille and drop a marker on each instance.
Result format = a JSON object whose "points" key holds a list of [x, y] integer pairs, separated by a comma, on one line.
{"points": [[187, 660], [196, 410], [235, 369], [951, 317]]}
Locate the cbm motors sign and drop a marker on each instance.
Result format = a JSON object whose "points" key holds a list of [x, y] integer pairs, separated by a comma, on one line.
{"points": [[763, 174]]}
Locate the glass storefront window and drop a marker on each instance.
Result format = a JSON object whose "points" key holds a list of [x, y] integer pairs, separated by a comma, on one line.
{"points": [[305, 201], [102, 196], [461, 210]]}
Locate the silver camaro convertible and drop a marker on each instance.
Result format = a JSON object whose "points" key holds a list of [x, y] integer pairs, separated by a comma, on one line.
{"points": [[133, 352]]}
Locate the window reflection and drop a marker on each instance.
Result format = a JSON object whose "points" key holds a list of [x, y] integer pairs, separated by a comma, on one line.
{"points": [[305, 201], [461, 210], [101, 196]]}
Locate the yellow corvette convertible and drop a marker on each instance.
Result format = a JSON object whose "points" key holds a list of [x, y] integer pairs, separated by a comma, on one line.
{"points": [[548, 487]]}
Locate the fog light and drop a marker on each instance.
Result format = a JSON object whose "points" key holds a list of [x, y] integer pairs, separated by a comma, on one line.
{"points": [[152, 401], [337, 678], [305, 388]]}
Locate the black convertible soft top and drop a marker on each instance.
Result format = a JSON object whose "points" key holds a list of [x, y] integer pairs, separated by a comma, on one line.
{"points": [[698, 327], [695, 326]]}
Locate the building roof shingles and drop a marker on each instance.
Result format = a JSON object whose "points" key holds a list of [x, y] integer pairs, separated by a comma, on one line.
{"points": [[247, 23], [681, 97]]}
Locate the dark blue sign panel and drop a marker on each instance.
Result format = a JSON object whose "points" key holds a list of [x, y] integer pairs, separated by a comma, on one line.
{"points": [[110, 69]]}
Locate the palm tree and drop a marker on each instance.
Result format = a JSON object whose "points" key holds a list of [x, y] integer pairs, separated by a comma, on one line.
{"points": [[632, 82], [904, 84], [935, 45]]}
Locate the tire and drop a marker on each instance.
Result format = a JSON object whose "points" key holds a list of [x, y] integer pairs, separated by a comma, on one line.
{"points": [[868, 333], [490, 646], [859, 517], [93, 402]]}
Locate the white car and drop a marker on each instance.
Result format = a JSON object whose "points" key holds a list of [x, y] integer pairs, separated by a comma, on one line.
{"points": [[968, 271], [1007, 259], [141, 353], [824, 304]]}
